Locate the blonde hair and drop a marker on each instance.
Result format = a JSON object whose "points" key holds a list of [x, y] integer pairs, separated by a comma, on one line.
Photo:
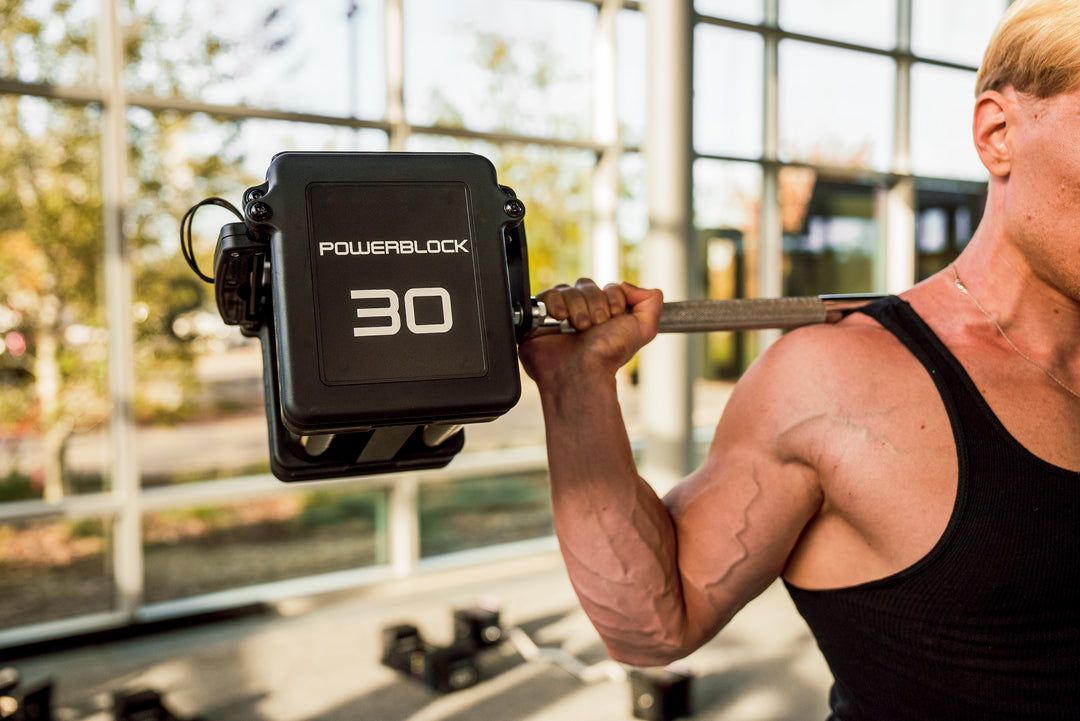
{"points": [[1035, 49]]}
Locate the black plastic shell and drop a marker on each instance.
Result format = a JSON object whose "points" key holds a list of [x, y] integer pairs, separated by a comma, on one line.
{"points": [[310, 404]]}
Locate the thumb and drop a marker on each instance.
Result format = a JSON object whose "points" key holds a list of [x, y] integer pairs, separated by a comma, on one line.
{"points": [[645, 304]]}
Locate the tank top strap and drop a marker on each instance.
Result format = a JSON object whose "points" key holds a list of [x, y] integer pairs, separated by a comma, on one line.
{"points": [[896, 316], [956, 388]]}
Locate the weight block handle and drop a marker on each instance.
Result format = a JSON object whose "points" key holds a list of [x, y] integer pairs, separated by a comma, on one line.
{"points": [[703, 316]]}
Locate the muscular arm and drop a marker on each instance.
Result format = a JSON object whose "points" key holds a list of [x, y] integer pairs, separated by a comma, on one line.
{"points": [[657, 577]]}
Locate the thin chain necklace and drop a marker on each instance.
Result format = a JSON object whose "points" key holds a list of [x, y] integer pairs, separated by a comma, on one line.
{"points": [[1049, 374]]}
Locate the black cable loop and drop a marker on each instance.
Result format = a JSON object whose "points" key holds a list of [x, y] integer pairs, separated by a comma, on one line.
{"points": [[187, 247]]}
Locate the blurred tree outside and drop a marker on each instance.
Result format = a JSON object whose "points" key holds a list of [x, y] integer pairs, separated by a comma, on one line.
{"points": [[52, 326], [50, 253], [556, 194]]}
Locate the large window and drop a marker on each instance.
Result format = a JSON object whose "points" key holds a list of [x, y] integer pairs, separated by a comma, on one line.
{"points": [[728, 91], [132, 430], [317, 57], [851, 107], [822, 121], [519, 67]]}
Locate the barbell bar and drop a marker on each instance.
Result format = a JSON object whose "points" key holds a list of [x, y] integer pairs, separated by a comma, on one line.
{"points": [[706, 316]]}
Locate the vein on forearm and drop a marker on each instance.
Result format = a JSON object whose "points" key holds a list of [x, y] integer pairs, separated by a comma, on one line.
{"points": [[624, 576], [617, 536]]}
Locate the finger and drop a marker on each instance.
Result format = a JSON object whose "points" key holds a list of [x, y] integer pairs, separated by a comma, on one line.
{"points": [[553, 301], [616, 298], [596, 301], [567, 303], [577, 306]]}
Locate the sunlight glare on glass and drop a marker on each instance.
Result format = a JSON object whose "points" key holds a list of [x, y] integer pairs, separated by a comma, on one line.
{"points": [[523, 67], [727, 92], [956, 31], [45, 54], [836, 106], [942, 103], [632, 67], [727, 194], [316, 57], [864, 22], [747, 11]]}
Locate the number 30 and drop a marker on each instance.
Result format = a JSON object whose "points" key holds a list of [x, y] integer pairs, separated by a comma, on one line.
{"points": [[392, 311]]}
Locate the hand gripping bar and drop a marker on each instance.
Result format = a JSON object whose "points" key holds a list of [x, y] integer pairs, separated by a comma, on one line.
{"points": [[699, 316]]}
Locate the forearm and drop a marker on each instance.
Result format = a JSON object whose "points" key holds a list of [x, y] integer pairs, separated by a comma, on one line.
{"points": [[616, 535]]}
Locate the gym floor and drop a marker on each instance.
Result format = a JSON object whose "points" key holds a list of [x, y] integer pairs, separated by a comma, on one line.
{"points": [[318, 658]]}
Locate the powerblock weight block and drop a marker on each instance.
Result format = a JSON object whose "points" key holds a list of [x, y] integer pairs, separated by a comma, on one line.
{"points": [[389, 291], [478, 626], [30, 703], [442, 668], [659, 694]]}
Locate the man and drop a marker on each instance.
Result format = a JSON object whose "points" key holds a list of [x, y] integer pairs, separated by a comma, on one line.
{"points": [[912, 473]]}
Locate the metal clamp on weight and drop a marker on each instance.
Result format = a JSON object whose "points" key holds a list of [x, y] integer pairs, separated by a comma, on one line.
{"points": [[389, 292]]}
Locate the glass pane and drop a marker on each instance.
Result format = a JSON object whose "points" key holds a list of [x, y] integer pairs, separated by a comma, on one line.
{"points": [[200, 549], [521, 67], [831, 234], [942, 107], [864, 22], [50, 41], [836, 106], [199, 385], [477, 512], [632, 213], [728, 67], [727, 203], [957, 31], [946, 218], [54, 409], [555, 186], [632, 71], [747, 11], [324, 56], [54, 570]]}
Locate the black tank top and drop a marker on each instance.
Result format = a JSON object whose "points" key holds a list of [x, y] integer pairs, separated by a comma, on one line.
{"points": [[987, 625]]}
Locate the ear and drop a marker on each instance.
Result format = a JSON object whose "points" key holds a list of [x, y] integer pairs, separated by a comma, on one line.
{"points": [[990, 130]]}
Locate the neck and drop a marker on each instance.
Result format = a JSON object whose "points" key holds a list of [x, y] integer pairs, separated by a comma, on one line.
{"points": [[1040, 323]]}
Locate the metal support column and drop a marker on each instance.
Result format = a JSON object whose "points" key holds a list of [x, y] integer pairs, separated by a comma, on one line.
{"points": [[899, 251], [395, 73], [666, 389], [771, 244], [404, 526], [127, 528], [605, 180]]}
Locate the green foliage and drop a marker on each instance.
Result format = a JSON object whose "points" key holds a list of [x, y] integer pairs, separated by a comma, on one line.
{"points": [[331, 508], [485, 492], [87, 528], [83, 483], [50, 262], [17, 486], [477, 512], [52, 213], [207, 517], [554, 183]]}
